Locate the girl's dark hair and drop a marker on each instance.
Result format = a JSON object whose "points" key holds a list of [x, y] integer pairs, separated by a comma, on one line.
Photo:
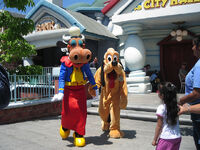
{"points": [[169, 93]]}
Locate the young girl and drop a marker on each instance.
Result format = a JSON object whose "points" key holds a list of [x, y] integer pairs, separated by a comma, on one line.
{"points": [[167, 133]]}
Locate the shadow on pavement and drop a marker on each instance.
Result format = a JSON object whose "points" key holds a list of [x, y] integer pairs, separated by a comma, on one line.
{"points": [[99, 140], [186, 131], [103, 138], [48, 118], [96, 140], [71, 140], [129, 134]]}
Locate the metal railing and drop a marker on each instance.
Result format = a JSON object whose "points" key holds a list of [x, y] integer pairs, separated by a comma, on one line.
{"points": [[47, 70], [29, 87]]}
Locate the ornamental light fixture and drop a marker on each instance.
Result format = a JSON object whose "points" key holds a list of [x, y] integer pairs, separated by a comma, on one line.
{"points": [[180, 32]]}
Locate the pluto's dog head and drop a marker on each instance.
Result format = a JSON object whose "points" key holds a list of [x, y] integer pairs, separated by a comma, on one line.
{"points": [[111, 57], [111, 67]]}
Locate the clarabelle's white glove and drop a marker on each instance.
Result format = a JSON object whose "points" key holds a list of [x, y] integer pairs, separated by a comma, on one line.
{"points": [[58, 96]]}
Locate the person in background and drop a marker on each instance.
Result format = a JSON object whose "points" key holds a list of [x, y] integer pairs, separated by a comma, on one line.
{"points": [[183, 72], [192, 91], [146, 69], [167, 133], [4, 88], [154, 78], [94, 63]]}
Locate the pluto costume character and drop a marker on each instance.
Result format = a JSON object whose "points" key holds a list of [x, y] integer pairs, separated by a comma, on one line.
{"points": [[112, 80], [71, 85]]}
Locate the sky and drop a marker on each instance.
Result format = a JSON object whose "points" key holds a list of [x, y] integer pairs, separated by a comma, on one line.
{"points": [[66, 3]]}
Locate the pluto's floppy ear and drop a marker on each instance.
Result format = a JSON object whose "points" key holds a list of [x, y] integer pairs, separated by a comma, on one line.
{"points": [[121, 64], [102, 75], [123, 92]]}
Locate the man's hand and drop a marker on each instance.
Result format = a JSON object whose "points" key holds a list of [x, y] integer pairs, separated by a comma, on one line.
{"points": [[184, 109]]}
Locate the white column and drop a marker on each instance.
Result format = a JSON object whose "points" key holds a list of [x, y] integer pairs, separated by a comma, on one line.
{"points": [[135, 56], [134, 53]]}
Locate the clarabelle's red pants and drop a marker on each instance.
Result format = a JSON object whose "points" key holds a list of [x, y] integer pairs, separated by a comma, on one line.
{"points": [[74, 109]]}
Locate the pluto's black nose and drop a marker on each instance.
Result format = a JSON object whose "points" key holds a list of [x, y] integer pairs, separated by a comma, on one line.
{"points": [[114, 63]]}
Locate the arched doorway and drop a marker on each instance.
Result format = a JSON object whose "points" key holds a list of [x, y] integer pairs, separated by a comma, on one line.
{"points": [[172, 55]]}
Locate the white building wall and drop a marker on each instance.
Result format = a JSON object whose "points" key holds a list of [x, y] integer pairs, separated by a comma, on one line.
{"points": [[152, 53]]}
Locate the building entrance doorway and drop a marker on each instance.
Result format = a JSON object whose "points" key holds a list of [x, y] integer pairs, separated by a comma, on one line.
{"points": [[172, 55]]}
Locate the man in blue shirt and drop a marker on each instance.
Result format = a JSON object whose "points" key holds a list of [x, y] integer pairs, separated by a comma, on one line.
{"points": [[192, 91]]}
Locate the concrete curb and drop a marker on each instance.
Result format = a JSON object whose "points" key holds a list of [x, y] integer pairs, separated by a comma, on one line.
{"points": [[134, 107], [127, 113], [141, 117]]}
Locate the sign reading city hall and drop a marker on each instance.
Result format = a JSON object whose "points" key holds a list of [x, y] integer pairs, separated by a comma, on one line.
{"points": [[148, 4]]}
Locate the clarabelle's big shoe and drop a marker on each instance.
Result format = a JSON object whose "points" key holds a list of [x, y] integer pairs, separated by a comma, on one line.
{"points": [[79, 140], [64, 134]]}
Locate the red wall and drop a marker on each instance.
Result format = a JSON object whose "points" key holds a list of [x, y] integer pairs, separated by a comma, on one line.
{"points": [[12, 115]]}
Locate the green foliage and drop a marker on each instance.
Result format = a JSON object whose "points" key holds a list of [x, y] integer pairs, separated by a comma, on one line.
{"points": [[27, 70], [19, 4], [12, 44]]}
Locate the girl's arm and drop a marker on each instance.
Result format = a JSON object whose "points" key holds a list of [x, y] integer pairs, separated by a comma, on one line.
{"points": [[189, 108], [157, 130]]}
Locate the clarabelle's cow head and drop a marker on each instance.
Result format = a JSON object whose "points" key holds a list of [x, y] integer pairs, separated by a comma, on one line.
{"points": [[74, 46]]}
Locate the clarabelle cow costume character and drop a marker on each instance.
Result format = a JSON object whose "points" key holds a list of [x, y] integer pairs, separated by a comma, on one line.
{"points": [[112, 80], [71, 86]]}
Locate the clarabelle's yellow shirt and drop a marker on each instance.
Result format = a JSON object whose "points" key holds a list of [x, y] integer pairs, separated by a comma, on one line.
{"points": [[76, 78]]}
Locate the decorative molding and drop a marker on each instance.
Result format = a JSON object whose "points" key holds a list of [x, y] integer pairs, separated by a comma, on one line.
{"points": [[44, 12], [131, 28], [47, 23], [46, 39], [54, 11]]}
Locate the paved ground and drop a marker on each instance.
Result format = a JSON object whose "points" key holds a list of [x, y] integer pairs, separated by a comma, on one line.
{"points": [[43, 134]]}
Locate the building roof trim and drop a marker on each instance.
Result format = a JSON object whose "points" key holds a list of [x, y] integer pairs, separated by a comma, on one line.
{"points": [[88, 9], [109, 6], [58, 10]]}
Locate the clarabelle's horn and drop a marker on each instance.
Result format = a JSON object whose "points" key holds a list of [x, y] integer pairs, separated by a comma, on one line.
{"points": [[66, 38], [82, 37], [64, 50]]}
